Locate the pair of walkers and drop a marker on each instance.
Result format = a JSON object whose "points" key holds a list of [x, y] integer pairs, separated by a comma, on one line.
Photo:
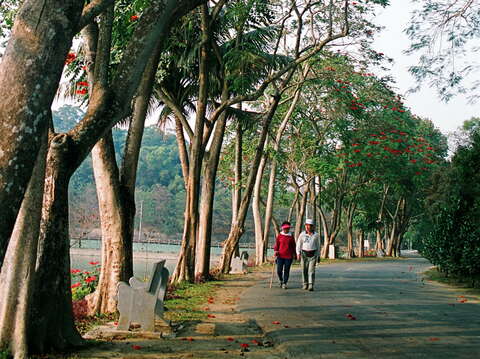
{"points": [[306, 249]]}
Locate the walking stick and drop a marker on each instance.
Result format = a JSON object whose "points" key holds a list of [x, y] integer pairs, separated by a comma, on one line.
{"points": [[271, 277]]}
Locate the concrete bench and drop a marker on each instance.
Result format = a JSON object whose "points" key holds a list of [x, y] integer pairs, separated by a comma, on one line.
{"points": [[142, 302], [240, 264]]}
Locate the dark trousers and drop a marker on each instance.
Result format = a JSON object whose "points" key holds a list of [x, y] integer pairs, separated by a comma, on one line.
{"points": [[283, 269]]}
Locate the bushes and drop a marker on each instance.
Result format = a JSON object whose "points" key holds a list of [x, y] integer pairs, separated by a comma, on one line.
{"points": [[84, 282], [453, 240], [453, 244]]}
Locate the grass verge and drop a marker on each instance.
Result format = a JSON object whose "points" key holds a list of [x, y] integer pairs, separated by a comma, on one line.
{"points": [[435, 275], [184, 301]]}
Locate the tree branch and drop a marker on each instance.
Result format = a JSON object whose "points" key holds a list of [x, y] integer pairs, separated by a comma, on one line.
{"points": [[92, 10]]}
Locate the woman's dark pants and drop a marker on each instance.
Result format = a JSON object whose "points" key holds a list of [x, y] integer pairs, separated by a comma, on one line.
{"points": [[283, 269]]}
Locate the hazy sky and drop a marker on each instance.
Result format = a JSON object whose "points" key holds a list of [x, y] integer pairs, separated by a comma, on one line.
{"points": [[393, 41]]}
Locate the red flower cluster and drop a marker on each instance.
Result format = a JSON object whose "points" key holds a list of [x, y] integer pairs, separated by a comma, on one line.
{"points": [[81, 92], [359, 164], [133, 18], [76, 285], [91, 279], [70, 58]]}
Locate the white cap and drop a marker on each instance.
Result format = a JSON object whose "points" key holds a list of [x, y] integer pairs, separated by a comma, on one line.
{"points": [[309, 221]]}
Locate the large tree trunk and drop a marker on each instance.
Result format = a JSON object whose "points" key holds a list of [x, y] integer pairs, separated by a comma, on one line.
{"points": [[237, 228], [114, 259], [18, 269], [30, 71], [116, 195], [54, 329]]}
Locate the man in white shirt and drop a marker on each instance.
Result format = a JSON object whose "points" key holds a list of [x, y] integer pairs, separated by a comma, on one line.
{"points": [[308, 248]]}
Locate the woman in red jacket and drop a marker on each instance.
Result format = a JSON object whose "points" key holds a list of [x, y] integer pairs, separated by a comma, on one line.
{"points": [[284, 250]]}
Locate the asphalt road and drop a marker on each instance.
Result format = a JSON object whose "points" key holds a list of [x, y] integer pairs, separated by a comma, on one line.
{"points": [[367, 310]]}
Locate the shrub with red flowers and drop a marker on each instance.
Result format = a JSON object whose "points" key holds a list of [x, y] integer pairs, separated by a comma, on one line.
{"points": [[84, 282]]}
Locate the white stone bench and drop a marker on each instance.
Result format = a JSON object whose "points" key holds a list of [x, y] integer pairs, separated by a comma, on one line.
{"points": [[142, 302]]}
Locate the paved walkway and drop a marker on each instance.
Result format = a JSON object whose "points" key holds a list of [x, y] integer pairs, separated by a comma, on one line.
{"points": [[379, 309]]}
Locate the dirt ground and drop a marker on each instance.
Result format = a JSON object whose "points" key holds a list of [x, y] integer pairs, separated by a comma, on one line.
{"points": [[224, 334]]}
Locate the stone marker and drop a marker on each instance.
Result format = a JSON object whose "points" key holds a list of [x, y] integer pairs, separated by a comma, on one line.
{"points": [[239, 265], [142, 302], [331, 251]]}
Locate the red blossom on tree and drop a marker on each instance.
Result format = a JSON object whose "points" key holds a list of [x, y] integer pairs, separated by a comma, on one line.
{"points": [[70, 58]]}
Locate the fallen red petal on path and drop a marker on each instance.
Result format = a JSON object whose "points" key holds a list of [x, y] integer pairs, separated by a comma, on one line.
{"points": [[286, 326], [230, 339], [206, 309], [190, 339], [255, 341], [136, 347], [244, 345], [434, 339], [211, 316], [276, 322]]}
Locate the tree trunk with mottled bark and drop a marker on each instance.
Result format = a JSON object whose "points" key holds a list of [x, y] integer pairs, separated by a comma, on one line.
{"points": [[116, 195], [114, 259], [30, 71], [18, 270], [54, 330]]}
